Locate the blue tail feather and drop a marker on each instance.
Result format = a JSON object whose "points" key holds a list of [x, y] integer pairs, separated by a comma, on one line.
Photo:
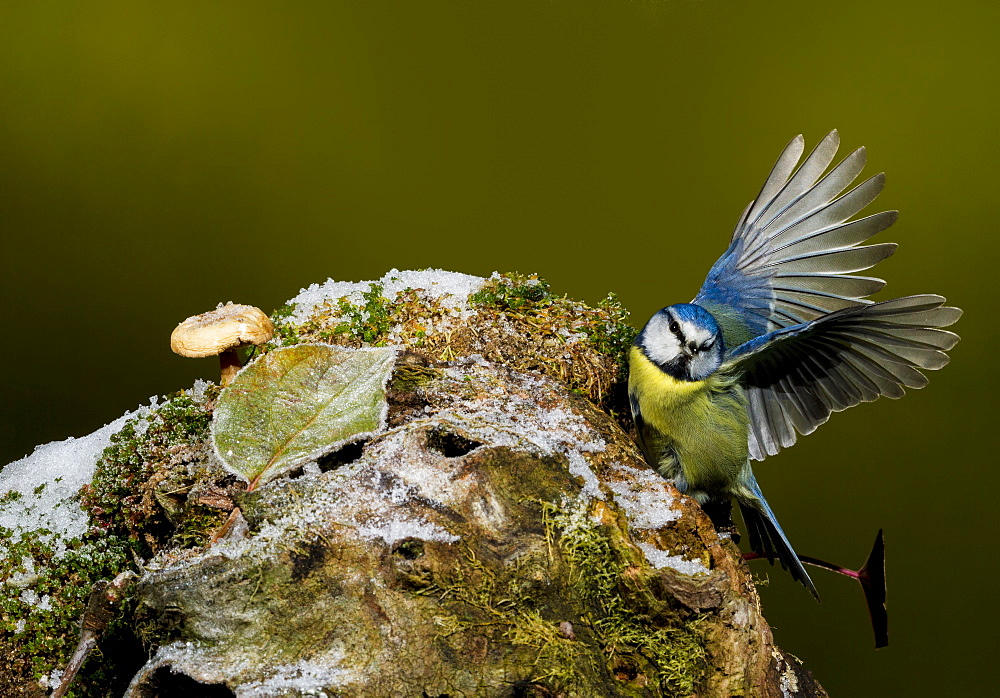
{"points": [[766, 536]]}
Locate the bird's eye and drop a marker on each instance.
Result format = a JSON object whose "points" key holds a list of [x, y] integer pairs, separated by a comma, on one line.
{"points": [[674, 327]]}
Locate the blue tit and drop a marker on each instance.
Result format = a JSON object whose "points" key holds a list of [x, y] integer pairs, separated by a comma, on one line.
{"points": [[780, 336]]}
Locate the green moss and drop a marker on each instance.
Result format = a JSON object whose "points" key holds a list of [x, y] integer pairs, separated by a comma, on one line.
{"points": [[618, 632], [590, 349], [196, 526], [610, 332], [371, 321], [148, 450], [136, 503], [408, 378], [519, 321], [9, 497], [671, 646], [40, 616], [286, 332], [513, 610], [513, 291]]}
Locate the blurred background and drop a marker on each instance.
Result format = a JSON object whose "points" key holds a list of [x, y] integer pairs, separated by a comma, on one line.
{"points": [[156, 159]]}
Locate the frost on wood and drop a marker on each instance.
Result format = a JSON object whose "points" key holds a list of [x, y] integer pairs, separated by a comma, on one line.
{"points": [[296, 403], [476, 548]]}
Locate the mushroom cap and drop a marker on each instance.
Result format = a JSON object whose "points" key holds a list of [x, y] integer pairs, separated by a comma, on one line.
{"points": [[227, 327]]}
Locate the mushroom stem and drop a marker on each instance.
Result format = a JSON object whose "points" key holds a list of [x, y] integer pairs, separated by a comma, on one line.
{"points": [[229, 361]]}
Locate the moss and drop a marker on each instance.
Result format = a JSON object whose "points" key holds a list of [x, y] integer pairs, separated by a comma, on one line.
{"points": [[286, 332], [195, 528], [513, 291], [637, 644], [409, 378], [40, 618], [125, 497], [518, 321], [136, 504], [671, 647], [507, 607], [371, 321]]}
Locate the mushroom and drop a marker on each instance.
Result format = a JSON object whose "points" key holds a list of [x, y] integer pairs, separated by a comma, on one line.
{"points": [[222, 331]]}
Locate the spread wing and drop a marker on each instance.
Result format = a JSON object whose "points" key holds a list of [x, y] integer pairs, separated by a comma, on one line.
{"points": [[793, 256], [797, 376]]}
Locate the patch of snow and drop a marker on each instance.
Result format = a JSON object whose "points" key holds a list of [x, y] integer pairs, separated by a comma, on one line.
{"points": [[645, 498], [308, 677], [789, 682], [197, 391], [451, 288], [53, 680], [649, 504], [393, 530], [513, 419], [661, 558], [49, 479]]}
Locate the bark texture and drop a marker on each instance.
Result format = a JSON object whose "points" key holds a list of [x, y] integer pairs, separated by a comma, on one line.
{"points": [[502, 538]]}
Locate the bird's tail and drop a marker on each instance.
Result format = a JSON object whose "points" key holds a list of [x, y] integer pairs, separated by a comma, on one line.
{"points": [[766, 536]]}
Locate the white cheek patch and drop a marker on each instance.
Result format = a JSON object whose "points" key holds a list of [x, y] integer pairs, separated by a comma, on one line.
{"points": [[662, 352], [660, 343], [704, 364]]}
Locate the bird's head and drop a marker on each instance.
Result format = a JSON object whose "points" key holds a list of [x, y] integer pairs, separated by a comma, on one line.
{"points": [[684, 340]]}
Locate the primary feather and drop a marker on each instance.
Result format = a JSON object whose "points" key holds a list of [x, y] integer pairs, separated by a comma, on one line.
{"points": [[797, 376], [793, 255]]}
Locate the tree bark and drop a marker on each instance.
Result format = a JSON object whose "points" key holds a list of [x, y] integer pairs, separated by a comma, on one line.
{"points": [[502, 538]]}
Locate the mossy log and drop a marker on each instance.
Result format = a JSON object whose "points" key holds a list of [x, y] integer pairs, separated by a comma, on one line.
{"points": [[497, 541], [500, 536]]}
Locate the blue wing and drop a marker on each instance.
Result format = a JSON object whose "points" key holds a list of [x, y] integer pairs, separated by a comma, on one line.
{"points": [[793, 256], [795, 377]]}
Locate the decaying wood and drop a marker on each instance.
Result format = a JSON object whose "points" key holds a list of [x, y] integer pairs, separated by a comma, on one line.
{"points": [[503, 538]]}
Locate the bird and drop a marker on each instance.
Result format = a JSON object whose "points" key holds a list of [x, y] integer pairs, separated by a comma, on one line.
{"points": [[781, 335]]}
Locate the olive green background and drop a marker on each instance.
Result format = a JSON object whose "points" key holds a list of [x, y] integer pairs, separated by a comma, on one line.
{"points": [[158, 158]]}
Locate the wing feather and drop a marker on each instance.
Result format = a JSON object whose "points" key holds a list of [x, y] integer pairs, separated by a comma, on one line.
{"points": [[795, 377], [793, 255]]}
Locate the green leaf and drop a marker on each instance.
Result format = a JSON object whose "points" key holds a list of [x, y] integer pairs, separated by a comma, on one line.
{"points": [[296, 403]]}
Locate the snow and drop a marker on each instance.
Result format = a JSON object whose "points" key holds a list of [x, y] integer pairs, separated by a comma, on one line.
{"points": [[645, 497], [396, 529], [307, 677], [661, 558], [649, 504], [363, 498], [451, 288], [514, 419], [49, 479]]}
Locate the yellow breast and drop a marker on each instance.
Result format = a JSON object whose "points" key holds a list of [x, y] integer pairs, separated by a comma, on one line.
{"points": [[704, 423], [659, 389]]}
